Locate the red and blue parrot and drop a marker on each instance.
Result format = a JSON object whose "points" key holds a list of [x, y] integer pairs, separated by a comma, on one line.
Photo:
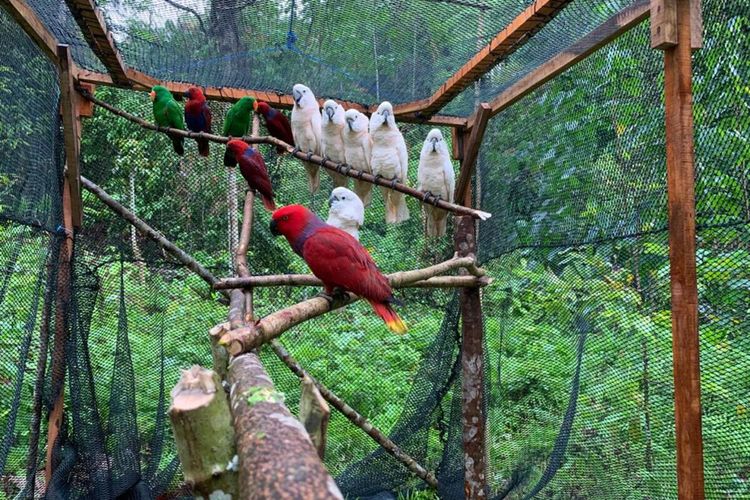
{"points": [[277, 124], [198, 116], [337, 259], [253, 169]]}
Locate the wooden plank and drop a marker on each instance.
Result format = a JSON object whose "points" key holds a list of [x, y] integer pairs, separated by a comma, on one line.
{"points": [[517, 33], [144, 82], [696, 25], [457, 143], [473, 414], [605, 33], [94, 28], [69, 99], [663, 24], [682, 248], [471, 152], [314, 414], [27, 19]]}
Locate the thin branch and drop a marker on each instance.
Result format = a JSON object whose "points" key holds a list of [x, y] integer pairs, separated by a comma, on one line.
{"points": [[341, 168], [275, 324], [376, 434], [194, 12], [150, 232]]}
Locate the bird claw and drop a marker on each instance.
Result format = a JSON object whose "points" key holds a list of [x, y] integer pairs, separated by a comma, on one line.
{"points": [[296, 150], [426, 196], [336, 299], [309, 155], [394, 181], [347, 169]]}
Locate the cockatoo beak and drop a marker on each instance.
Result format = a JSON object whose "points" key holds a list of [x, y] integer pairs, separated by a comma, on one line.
{"points": [[330, 111], [434, 144], [297, 96], [350, 121], [330, 201]]}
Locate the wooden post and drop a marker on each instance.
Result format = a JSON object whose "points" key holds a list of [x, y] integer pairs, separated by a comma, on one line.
{"points": [[681, 210], [203, 433], [473, 415]]}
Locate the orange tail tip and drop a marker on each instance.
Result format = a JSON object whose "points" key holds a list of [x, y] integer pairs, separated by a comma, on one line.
{"points": [[268, 203], [391, 318]]}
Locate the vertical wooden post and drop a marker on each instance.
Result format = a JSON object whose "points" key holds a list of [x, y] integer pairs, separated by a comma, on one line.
{"points": [[473, 415], [681, 211], [71, 207]]}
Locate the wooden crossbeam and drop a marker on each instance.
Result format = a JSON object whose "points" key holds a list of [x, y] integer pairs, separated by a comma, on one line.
{"points": [[612, 28], [518, 32], [94, 28], [142, 81], [27, 19]]}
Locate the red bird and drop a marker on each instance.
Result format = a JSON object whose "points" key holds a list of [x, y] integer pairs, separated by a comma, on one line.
{"points": [[198, 116], [276, 123], [337, 259], [253, 169]]}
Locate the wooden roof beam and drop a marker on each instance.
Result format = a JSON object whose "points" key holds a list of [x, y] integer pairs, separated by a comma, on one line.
{"points": [[94, 28], [142, 81], [27, 19], [606, 32], [518, 32]]}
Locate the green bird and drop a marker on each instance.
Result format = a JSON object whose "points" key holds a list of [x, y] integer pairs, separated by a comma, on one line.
{"points": [[167, 113], [236, 125]]}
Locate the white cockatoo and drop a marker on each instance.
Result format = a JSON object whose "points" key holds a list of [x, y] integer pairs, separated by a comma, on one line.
{"points": [[331, 140], [389, 160], [435, 176], [357, 150], [306, 129], [346, 211]]}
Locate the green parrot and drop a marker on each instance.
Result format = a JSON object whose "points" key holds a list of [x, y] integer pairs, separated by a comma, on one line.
{"points": [[167, 113], [236, 124]]}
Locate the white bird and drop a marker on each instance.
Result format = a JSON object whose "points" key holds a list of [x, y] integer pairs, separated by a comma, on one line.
{"points": [[331, 140], [346, 211], [306, 129], [389, 160], [435, 176], [357, 150]]}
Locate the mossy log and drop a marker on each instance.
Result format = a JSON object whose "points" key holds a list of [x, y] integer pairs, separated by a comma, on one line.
{"points": [[203, 433]]}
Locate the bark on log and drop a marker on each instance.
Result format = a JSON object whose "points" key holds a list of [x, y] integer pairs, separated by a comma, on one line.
{"points": [[203, 433], [219, 353], [314, 414], [276, 457], [341, 168]]}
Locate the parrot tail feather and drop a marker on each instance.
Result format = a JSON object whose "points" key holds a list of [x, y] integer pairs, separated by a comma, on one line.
{"points": [[391, 318], [178, 145], [203, 146], [229, 159], [268, 203]]}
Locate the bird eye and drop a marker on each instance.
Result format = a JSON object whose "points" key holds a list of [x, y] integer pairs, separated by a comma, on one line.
{"points": [[285, 217]]}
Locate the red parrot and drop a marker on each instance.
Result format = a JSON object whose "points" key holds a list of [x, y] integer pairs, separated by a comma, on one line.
{"points": [[198, 116], [277, 124], [253, 169], [337, 259]]}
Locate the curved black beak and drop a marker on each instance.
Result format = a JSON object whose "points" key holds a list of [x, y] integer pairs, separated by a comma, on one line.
{"points": [[330, 112], [434, 144], [274, 229], [349, 122], [330, 201]]}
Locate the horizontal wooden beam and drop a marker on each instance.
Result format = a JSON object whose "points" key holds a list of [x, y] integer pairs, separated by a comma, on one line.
{"points": [[94, 28], [612, 28], [142, 81], [27, 19], [518, 32]]}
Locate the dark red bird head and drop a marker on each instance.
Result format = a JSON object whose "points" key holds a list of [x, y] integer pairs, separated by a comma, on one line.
{"points": [[294, 222], [261, 107], [194, 93], [237, 147]]}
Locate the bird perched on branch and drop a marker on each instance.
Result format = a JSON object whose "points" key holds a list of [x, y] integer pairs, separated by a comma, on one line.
{"points": [[167, 113], [253, 169], [436, 177], [306, 130], [389, 160], [346, 211], [331, 140], [237, 124], [277, 124], [198, 116], [357, 150], [337, 259]]}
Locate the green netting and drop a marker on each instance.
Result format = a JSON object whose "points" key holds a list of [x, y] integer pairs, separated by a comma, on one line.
{"points": [[577, 318]]}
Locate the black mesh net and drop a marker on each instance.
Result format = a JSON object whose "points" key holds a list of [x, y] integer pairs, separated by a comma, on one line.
{"points": [[577, 319]]}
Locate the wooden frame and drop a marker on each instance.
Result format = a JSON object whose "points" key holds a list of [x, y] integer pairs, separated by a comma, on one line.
{"points": [[518, 32], [25, 16], [608, 31]]}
